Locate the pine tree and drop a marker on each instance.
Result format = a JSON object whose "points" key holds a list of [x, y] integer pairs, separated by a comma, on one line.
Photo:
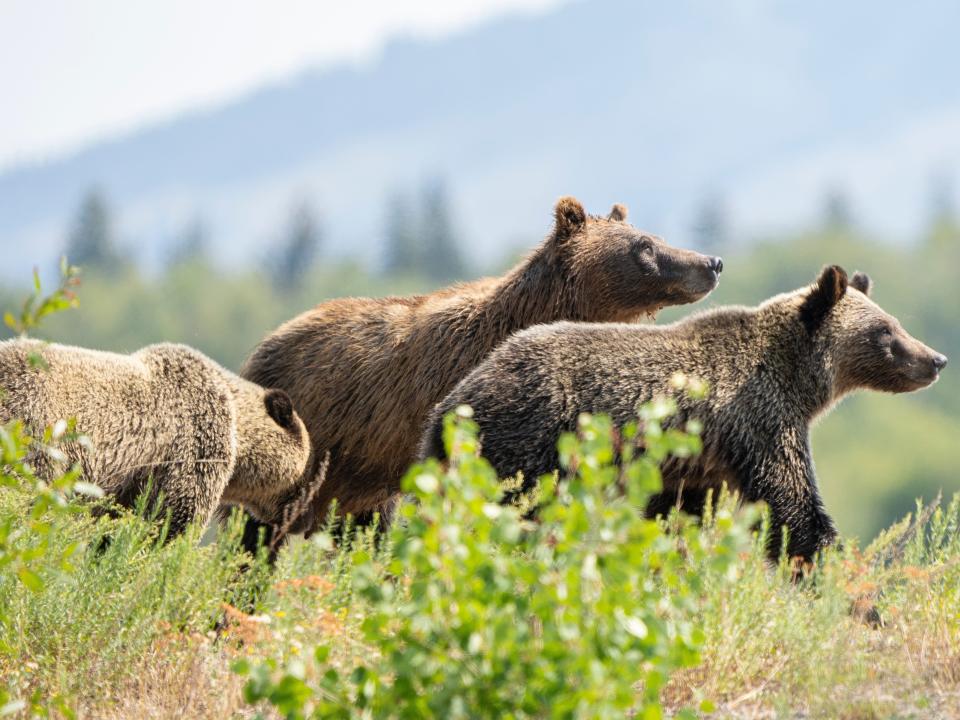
{"points": [[91, 242], [299, 250], [944, 227], [837, 212], [192, 246], [403, 252], [442, 260], [711, 226]]}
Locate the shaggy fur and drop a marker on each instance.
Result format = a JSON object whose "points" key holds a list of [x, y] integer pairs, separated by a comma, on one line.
{"points": [[771, 371], [364, 373], [203, 434]]}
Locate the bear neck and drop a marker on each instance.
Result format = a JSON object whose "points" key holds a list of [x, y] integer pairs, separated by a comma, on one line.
{"points": [[803, 364], [538, 290], [245, 485], [242, 429]]}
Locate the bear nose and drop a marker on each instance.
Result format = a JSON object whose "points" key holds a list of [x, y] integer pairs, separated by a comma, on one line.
{"points": [[939, 362], [716, 264]]}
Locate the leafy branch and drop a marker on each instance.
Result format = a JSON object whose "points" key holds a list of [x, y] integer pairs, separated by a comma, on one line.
{"points": [[38, 306]]}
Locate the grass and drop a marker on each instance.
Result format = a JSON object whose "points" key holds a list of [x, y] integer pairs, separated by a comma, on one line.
{"points": [[136, 627], [775, 649], [467, 610], [132, 631]]}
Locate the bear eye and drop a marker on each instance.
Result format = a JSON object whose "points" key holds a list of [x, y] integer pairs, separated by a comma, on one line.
{"points": [[886, 332], [643, 251]]}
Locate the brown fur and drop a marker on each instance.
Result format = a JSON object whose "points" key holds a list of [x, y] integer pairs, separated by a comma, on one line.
{"points": [[364, 373], [166, 412], [771, 370]]}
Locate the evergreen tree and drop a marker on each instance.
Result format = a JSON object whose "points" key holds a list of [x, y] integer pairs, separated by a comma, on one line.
{"points": [[837, 211], [944, 228], [299, 250], [192, 245], [403, 251], [91, 242], [442, 260], [711, 226]]}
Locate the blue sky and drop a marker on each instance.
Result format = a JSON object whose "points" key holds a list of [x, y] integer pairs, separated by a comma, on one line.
{"points": [[118, 64], [216, 110]]}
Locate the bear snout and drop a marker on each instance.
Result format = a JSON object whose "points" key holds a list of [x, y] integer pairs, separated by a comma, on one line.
{"points": [[716, 264], [926, 368]]}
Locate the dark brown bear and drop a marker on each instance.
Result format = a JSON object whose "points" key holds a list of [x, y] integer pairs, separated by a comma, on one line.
{"points": [[364, 373], [770, 371]]}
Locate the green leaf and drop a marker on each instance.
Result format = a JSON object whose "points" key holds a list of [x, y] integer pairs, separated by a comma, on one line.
{"points": [[30, 578], [290, 694], [427, 483]]}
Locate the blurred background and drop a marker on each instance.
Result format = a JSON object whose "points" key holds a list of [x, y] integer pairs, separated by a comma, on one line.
{"points": [[218, 167]]}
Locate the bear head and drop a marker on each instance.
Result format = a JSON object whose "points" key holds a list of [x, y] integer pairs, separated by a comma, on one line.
{"points": [[867, 347], [273, 450], [621, 272]]}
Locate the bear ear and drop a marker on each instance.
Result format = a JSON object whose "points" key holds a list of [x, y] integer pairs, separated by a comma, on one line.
{"points": [[862, 282], [618, 213], [570, 217], [825, 293], [280, 407]]}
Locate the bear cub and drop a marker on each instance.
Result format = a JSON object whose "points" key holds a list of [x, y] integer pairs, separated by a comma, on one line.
{"points": [[166, 413], [770, 370]]}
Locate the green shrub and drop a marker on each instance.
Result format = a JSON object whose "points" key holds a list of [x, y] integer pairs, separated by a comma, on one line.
{"points": [[27, 547], [481, 613], [80, 635]]}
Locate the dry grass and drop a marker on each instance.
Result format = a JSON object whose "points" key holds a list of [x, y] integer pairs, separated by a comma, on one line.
{"points": [[774, 647], [181, 676], [779, 650]]}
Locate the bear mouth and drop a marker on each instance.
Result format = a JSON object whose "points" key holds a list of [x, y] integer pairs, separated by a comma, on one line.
{"points": [[698, 291], [919, 380]]}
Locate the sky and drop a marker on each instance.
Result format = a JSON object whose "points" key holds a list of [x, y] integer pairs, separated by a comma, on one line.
{"points": [[74, 72]]}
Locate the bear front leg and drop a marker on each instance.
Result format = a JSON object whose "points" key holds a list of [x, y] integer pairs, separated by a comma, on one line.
{"points": [[784, 478], [191, 492]]}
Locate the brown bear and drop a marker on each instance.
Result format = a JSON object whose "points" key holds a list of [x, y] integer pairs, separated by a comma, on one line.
{"points": [[167, 412], [770, 371], [364, 373]]}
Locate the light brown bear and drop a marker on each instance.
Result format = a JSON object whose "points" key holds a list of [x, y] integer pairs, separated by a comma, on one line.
{"points": [[364, 373], [771, 370], [169, 413]]}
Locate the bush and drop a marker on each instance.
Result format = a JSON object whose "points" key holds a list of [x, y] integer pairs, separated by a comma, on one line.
{"points": [[27, 541], [478, 612]]}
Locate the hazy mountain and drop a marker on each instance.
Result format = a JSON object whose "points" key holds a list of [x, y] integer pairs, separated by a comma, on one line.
{"points": [[658, 105]]}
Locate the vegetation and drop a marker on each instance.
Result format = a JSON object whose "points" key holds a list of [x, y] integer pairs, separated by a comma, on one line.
{"points": [[27, 538], [467, 609], [874, 455], [476, 613]]}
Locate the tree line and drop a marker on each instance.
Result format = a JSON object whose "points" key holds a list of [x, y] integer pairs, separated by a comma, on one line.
{"points": [[420, 237]]}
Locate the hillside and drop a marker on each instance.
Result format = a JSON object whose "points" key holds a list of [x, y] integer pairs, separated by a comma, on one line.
{"points": [[654, 105]]}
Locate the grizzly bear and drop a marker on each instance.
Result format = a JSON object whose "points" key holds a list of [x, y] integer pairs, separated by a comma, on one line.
{"points": [[167, 413], [364, 373], [770, 371]]}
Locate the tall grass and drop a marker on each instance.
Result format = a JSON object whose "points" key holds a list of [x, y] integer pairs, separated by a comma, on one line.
{"points": [[143, 629], [467, 609]]}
